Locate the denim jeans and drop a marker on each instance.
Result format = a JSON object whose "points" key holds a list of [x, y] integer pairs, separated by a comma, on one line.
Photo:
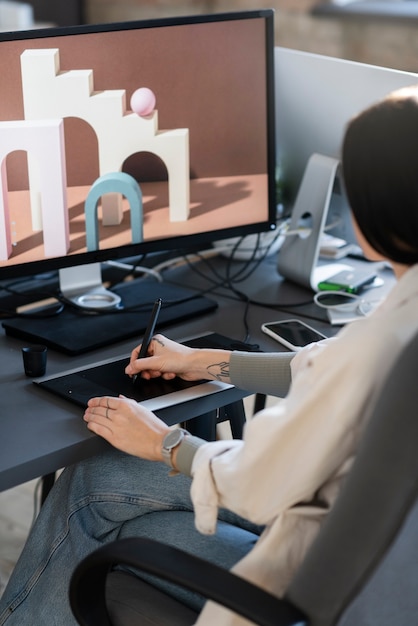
{"points": [[104, 498]]}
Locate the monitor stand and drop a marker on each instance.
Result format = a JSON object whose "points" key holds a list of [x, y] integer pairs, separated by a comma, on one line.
{"points": [[298, 256], [82, 285]]}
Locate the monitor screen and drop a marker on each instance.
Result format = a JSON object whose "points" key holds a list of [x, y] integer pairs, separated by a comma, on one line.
{"points": [[123, 139], [316, 96]]}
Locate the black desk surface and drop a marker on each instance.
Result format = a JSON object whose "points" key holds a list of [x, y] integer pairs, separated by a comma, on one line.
{"points": [[41, 433]]}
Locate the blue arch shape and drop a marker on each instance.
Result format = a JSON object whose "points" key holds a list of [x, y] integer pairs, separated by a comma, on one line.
{"points": [[113, 182]]}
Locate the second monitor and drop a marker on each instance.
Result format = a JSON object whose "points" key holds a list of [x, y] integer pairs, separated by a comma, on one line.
{"points": [[315, 98]]}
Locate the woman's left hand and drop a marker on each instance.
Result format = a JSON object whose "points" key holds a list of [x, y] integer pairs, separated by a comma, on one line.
{"points": [[127, 425]]}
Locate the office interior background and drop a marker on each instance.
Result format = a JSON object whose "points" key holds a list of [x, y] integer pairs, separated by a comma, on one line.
{"points": [[379, 32], [382, 33]]}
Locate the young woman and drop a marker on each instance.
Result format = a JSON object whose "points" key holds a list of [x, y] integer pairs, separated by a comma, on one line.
{"points": [[257, 504]]}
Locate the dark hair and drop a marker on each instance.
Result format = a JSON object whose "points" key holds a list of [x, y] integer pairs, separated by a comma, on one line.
{"points": [[380, 171]]}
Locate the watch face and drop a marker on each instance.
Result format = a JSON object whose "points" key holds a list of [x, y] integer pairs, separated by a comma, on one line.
{"points": [[173, 438], [170, 441]]}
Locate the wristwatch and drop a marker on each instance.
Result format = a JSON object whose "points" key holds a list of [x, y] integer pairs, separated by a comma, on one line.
{"points": [[171, 441]]}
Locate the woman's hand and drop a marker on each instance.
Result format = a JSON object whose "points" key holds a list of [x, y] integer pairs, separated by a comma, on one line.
{"points": [[127, 425], [169, 359]]}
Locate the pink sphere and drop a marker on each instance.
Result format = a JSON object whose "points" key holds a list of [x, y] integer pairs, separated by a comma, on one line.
{"points": [[143, 101]]}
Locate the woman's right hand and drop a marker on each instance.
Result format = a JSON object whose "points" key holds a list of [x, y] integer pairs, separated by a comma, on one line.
{"points": [[169, 359]]}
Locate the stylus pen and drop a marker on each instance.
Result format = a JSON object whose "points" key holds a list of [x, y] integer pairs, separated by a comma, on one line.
{"points": [[149, 332]]}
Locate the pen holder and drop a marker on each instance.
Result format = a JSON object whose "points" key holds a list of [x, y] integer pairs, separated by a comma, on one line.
{"points": [[34, 360]]}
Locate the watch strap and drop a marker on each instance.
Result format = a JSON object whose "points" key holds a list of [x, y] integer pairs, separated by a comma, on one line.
{"points": [[171, 441]]}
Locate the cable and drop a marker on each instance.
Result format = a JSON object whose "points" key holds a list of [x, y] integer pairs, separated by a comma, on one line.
{"points": [[186, 258], [51, 310], [233, 275], [134, 269]]}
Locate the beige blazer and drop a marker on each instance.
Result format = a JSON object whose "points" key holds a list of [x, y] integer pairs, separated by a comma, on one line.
{"points": [[288, 470]]}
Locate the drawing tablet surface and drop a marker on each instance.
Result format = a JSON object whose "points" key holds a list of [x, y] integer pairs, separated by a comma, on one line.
{"points": [[108, 378]]}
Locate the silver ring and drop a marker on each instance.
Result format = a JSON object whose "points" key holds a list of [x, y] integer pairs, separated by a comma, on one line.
{"points": [[107, 412]]}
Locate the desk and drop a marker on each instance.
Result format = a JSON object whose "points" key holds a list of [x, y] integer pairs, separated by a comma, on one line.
{"points": [[41, 433]]}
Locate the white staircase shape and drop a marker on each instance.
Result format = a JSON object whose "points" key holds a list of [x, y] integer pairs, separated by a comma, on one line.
{"points": [[50, 93], [44, 143]]}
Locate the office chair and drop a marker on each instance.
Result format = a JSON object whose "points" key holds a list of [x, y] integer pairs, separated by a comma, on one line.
{"points": [[360, 571]]}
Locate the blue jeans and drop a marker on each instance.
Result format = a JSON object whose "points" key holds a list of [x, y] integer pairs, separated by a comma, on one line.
{"points": [[104, 498]]}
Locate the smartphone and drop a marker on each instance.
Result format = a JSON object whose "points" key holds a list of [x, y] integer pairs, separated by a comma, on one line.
{"points": [[293, 334]]}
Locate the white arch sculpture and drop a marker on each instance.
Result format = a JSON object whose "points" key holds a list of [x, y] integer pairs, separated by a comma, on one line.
{"points": [[44, 143], [48, 92]]}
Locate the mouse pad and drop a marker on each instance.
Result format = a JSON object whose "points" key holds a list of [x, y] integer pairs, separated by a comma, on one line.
{"points": [[74, 333]]}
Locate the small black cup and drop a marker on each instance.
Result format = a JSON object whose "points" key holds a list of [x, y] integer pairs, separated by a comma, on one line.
{"points": [[34, 360]]}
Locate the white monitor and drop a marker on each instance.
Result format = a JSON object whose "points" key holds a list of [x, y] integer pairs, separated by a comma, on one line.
{"points": [[315, 97]]}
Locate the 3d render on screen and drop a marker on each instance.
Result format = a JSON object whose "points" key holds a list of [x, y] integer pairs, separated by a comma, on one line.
{"points": [[127, 136], [51, 95]]}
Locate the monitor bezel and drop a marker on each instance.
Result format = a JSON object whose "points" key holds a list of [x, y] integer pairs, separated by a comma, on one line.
{"points": [[187, 242]]}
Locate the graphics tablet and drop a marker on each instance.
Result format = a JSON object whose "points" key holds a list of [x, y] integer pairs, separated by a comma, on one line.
{"points": [[108, 378]]}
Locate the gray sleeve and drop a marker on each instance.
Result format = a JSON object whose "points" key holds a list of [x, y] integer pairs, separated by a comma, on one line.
{"points": [[265, 372], [185, 453]]}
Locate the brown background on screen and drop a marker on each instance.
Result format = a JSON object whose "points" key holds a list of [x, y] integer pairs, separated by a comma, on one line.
{"points": [[216, 91]]}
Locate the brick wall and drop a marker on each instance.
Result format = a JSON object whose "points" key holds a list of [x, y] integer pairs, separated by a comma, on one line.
{"points": [[388, 43]]}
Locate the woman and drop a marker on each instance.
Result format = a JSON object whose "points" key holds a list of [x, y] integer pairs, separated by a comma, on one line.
{"points": [[271, 491]]}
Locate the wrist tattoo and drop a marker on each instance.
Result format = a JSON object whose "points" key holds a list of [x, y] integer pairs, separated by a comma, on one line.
{"points": [[219, 371]]}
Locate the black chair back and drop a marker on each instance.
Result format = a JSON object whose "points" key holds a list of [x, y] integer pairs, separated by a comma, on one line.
{"points": [[360, 569]]}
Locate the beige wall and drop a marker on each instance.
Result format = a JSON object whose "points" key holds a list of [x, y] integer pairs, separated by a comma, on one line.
{"points": [[390, 43]]}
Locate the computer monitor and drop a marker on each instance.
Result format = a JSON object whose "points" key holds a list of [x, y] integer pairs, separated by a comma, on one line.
{"points": [[315, 98], [129, 138], [316, 95]]}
